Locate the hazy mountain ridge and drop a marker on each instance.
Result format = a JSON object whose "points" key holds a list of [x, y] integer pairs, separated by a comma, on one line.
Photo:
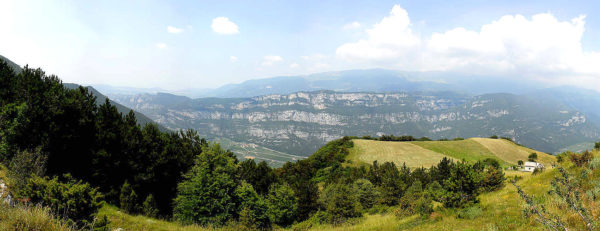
{"points": [[299, 123]]}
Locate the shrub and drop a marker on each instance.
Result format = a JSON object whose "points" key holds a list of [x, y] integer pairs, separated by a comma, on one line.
{"points": [[520, 163], [25, 164], [149, 207], [493, 179], [366, 192], [532, 157], [206, 194], [494, 137], [581, 159], [70, 199], [462, 185], [128, 198], [340, 203], [435, 191], [283, 205], [102, 224], [410, 198], [252, 207], [424, 207], [597, 145]]}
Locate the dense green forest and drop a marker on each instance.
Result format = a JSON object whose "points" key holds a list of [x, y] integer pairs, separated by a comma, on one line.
{"points": [[66, 152]]}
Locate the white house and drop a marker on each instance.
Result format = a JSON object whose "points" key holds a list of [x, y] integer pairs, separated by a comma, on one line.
{"points": [[530, 166]]}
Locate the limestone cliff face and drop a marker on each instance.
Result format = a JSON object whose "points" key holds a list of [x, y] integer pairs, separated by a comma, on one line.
{"points": [[299, 123]]}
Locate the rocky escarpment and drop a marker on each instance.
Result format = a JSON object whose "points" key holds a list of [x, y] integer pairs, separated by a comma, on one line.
{"points": [[299, 123]]}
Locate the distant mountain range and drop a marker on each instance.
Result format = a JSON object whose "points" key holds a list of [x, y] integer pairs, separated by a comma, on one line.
{"points": [[369, 80], [299, 123]]}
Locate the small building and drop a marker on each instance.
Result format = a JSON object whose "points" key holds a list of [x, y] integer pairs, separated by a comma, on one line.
{"points": [[531, 166]]}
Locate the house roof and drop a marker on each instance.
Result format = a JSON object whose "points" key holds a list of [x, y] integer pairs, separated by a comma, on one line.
{"points": [[531, 164]]}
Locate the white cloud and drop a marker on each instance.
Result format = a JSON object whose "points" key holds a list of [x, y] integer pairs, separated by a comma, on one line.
{"points": [[174, 30], [294, 65], [271, 59], [161, 45], [222, 25], [541, 47], [389, 39], [351, 26], [233, 59]]}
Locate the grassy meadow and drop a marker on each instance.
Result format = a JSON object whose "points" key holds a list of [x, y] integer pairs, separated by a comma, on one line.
{"points": [[428, 153]]}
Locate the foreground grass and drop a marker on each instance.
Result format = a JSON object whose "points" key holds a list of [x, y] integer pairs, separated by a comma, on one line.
{"points": [[126, 221], [29, 218]]}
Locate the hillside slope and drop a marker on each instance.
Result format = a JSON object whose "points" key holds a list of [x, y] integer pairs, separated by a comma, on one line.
{"points": [[428, 153]]}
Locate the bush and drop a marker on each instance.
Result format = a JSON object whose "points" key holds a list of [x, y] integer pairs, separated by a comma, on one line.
{"points": [[25, 164], [493, 179], [206, 194], [435, 191], [581, 159], [102, 224], [252, 207], [408, 202], [532, 157], [340, 203], [470, 213], [366, 192], [149, 207], [462, 185], [597, 145], [128, 198], [70, 199], [283, 205], [424, 207]]}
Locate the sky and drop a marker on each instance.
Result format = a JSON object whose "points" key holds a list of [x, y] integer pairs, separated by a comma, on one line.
{"points": [[206, 44]]}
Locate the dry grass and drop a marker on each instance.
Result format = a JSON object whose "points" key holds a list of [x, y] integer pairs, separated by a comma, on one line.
{"points": [[367, 151], [461, 149], [29, 218], [512, 153], [129, 222]]}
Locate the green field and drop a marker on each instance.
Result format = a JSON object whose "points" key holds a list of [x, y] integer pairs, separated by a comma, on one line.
{"points": [[428, 153], [367, 151]]}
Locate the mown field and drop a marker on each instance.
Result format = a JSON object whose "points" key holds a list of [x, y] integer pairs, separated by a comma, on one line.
{"points": [[428, 153]]}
